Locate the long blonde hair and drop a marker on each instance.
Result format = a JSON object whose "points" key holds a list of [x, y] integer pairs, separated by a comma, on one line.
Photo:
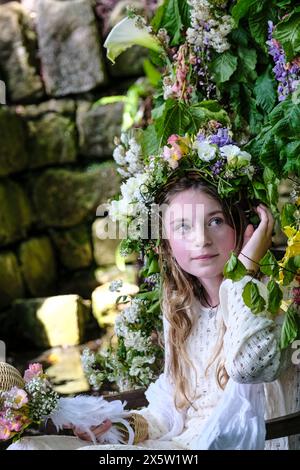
{"points": [[179, 290]]}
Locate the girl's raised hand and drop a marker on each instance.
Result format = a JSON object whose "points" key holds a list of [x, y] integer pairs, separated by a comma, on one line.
{"points": [[257, 242]]}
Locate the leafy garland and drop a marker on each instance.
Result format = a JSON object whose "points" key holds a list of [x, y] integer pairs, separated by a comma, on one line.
{"points": [[237, 64]]}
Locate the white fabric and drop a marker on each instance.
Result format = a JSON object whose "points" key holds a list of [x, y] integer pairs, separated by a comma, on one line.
{"points": [[251, 349], [237, 423]]}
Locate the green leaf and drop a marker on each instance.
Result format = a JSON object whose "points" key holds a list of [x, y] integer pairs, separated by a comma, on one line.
{"points": [[212, 105], [287, 214], [259, 27], [291, 154], [289, 331], [289, 272], [224, 66], [153, 267], [287, 32], [240, 36], [297, 261], [275, 297], [174, 16], [268, 265], [248, 59], [241, 8], [252, 298], [150, 142], [265, 91], [234, 269], [151, 72]]}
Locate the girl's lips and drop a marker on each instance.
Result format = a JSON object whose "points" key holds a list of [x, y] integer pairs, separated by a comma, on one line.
{"points": [[205, 257]]}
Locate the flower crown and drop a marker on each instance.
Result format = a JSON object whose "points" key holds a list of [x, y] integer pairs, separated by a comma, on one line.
{"points": [[212, 153]]}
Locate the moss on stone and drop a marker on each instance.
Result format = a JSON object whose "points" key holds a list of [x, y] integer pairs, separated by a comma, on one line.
{"points": [[11, 282], [38, 265]]}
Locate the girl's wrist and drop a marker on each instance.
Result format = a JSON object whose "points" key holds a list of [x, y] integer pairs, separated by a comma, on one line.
{"points": [[251, 265]]}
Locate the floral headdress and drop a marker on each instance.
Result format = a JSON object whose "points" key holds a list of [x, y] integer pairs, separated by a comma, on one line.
{"points": [[211, 152]]}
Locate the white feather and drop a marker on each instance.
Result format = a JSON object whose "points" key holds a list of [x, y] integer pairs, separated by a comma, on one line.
{"points": [[85, 411]]}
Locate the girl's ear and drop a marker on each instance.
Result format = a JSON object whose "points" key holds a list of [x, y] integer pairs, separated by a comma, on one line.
{"points": [[156, 249]]}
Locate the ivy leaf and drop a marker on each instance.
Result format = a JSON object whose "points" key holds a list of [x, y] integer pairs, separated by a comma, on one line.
{"points": [[275, 296], [252, 298], [268, 265], [287, 32], [265, 91], [224, 66], [234, 269], [289, 331]]}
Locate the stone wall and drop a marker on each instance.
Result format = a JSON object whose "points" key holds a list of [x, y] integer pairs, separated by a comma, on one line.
{"points": [[56, 147]]}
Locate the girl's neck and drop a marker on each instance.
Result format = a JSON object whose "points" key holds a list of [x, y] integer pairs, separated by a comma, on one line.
{"points": [[211, 288]]}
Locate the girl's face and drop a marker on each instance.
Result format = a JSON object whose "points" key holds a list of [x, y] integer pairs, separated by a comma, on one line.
{"points": [[199, 236]]}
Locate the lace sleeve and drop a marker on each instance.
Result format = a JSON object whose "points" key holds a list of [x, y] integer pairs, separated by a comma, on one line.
{"points": [[251, 342]]}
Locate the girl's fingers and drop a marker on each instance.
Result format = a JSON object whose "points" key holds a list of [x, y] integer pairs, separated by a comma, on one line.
{"points": [[96, 430], [266, 218]]}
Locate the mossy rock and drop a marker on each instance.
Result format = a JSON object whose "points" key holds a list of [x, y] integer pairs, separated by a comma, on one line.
{"points": [[97, 127], [15, 215], [13, 156], [52, 321], [65, 198], [37, 258], [52, 139], [11, 282], [74, 247]]}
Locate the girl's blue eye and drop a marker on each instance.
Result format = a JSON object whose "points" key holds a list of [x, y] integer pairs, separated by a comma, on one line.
{"points": [[183, 227], [215, 221]]}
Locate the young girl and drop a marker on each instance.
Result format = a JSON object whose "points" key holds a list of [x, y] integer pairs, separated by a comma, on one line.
{"points": [[210, 334]]}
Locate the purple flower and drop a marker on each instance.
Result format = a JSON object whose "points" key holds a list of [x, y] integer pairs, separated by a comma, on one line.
{"points": [[217, 167], [221, 138], [286, 73]]}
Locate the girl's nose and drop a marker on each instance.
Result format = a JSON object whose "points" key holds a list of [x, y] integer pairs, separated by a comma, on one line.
{"points": [[200, 238]]}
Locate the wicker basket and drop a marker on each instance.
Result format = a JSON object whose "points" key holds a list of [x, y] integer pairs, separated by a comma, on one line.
{"points": [[9, 377]]}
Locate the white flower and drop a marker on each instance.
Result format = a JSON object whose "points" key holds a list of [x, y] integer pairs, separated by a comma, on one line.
{"points": [[244, 158], [138, 364], [120, 326], [206, 151], [135, 340], [230, 151], [119, 155], [235, 156], [126, 34]]}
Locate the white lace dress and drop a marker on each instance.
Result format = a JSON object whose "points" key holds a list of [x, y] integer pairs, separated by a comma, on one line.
{"points": [[252, 356]]}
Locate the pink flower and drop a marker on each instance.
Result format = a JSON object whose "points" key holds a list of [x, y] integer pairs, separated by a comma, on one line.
{"points": [[173, 139], [34, 370], [4, 431], [19, 397]]}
